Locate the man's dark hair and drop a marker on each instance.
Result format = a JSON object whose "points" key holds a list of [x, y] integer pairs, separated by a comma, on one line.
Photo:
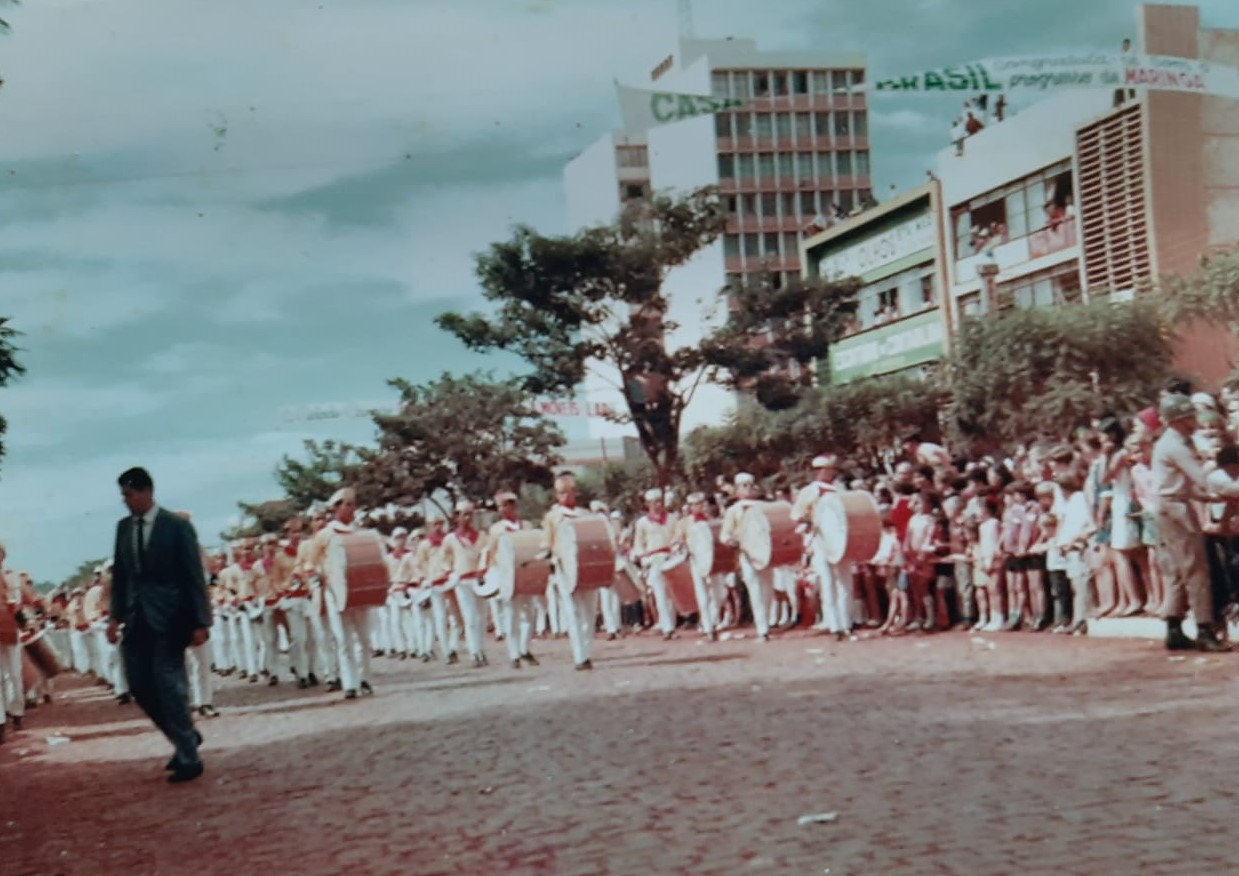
{"points": [[137, 479]]}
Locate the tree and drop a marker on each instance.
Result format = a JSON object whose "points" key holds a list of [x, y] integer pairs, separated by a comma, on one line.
{"points": [[10, 368], [1211, 294], [83, 575], [775, 335], [1029, 374], [328, 467], [466, 437], [595, 302]]}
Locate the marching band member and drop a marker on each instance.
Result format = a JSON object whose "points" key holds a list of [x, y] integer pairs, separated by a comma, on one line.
{"points": [[651, 546], [95, 611], [242, 576], [608, 598], [415, 617], [349, 625], [113, 664], [757, 583], [462, 550], [518, 614], [580, 607], [79, 630], [397, 597], [707, 587], [320, 649], [226, 636], [201, 690], [292, 595], [446, 613], [376, 621], [266, 599], [13, 698], [834, 580]]}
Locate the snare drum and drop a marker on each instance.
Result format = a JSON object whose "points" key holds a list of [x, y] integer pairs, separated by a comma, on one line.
{"points": [[366, 576], [768, 536], [39, 651], [849, 526], [584, 553], [679, 578]]}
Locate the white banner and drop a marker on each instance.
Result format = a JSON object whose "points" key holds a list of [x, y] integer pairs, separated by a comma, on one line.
{"points": [[872, 253], [1051, 72], [642, 110]]}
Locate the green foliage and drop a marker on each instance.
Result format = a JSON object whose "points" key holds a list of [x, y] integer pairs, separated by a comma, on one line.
{"points": [[1034, 373], [616, 483], [773, 336], [328, 466], [83, 575], [10, 368], [595, 300], [467, 436], [1211, 294]]}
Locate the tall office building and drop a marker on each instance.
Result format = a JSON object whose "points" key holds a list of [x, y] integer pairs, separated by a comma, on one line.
{"points": [[796, 152]]}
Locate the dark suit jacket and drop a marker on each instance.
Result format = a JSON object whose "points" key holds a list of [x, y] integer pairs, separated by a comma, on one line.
{"points": [[170, 593]]}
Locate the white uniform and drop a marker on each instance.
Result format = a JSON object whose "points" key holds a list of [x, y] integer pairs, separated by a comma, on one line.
{"points": [[758, 584], [708, 588], [579, 609], [349, 626], [651, 548], [834, 580], [518, 615], [462, 552], [321, 647], [445, 615], [12, 695]]}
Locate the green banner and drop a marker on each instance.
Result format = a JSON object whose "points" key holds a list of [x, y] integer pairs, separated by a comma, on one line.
{"points": [[884, 349]]}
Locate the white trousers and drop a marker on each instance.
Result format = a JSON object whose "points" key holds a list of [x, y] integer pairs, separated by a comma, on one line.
{"points": [[112, 669], [351, 628], [761, 592], [79, 651], [707, 591], [496, 616], [221, 643], [447, 628], [472, 617], [662, 598], [609, 601], [201, 691], [322, 647], [246, 636], [517, 617], [580, 614], [14, 696], [835, 592], [554, 611], [297, 611]]}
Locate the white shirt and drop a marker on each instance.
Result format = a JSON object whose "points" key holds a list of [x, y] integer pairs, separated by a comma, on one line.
{"points": [[148, 520]]}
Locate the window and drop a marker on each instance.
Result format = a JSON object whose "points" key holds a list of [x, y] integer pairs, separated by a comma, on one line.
{"points": [[847, 200], [634, 191], [821, 81], [1015, 211], [858, 77], [928, 298], [843, 163], [962, 220], [744, 124], [742, 86], [1058, 285], [771, 242], [726, 167], [780, 83], [769, 205], [632, 156], [783, 126], [722, 124], [786, 169], [744, 166], [733, 280], [752, 245], [860, 124], [808, 205], [842, 125], [804, 127], [821, 125], [731, 246], [788, 201], [732, 205], [970, 304], [765, 166], [791, 243], [720, 84], [763, 125], [862, 163], [748, 205], [1017, 214], [804, 166], [838, 80], [800, 82], [761, 85]]}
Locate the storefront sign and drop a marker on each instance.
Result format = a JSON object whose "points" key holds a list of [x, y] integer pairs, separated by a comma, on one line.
{"points": [[858, 259], [912, 341]]}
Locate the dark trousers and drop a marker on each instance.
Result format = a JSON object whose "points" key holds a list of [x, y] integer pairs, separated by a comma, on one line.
{"points": [[1060, 594], [155, 667]]}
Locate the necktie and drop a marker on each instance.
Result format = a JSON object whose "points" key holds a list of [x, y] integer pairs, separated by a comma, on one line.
{"points": [[141, 546]]}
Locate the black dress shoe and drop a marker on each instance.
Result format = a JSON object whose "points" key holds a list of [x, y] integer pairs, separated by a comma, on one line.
{"points": [[350, 694], [312, 679], [530, 659], [516, 664], [611, 637], [124, 700], [452, 658], [272, 681], [1, 733], [334, 685], [302, 684], [588, 664], [17, 722], [367, 689], [185, 773]]}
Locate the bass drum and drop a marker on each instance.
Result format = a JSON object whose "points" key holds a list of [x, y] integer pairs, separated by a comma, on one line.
{"points": [[768, 536], [627, 584], [366, 576], [39, 651], [849, 526], [516, 567], [708, 555], [679, 578], [584, 553]]}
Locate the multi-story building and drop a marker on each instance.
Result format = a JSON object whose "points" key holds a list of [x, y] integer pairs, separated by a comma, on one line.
{"points": [[795, 152], [894, 250]]}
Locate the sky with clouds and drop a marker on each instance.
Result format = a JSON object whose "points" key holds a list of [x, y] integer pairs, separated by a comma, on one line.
{"points": [[211, 213]]}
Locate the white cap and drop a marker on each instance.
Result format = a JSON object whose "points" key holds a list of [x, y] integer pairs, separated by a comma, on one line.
{"points": [[694, 498], [598, 506], [653, 494], [1203, 399], [505, 496], [745, 478], [464, 506], [615, 515], [344, 494], [399, 531], [98, 570], [826, 460]]}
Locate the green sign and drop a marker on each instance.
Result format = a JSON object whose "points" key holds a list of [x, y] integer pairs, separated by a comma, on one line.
{"points": [[884, 349]]}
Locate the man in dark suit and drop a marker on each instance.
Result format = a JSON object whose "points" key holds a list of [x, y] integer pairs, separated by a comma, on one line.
{"points": [[159, 597]]}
